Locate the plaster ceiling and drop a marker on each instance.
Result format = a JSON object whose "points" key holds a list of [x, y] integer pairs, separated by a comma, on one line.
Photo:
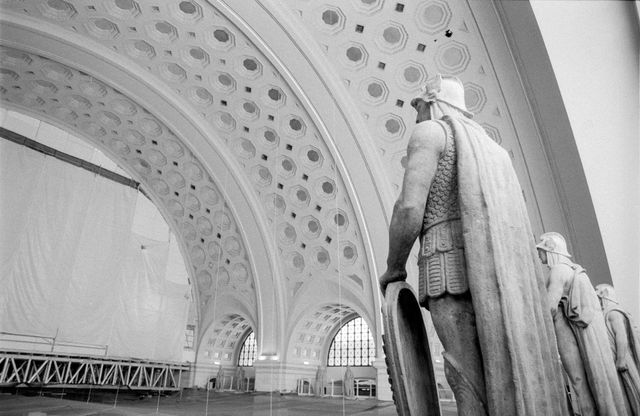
{"points": [[385, 51], [307, 104]]}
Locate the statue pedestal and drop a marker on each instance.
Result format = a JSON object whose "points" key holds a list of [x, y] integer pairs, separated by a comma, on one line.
{"points": [[383, 387]]}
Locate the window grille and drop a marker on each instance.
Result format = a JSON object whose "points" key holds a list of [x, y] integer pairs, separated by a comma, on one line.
{"points": [[352, 346], [248, 351]]}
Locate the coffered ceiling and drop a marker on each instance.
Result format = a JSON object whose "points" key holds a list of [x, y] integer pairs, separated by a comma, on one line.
{"points": [[270, 134]]}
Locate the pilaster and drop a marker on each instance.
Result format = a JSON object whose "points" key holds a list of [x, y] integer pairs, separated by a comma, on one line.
{"points": [[383, 387]]}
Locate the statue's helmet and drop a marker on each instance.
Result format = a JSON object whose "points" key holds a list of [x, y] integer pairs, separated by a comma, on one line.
{"points": [[606, 291], [553, 243], [446, 89]]}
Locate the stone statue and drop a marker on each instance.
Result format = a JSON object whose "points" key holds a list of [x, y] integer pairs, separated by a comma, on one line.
{"points": [[581, 332], [479, 276], [348, 384], [321, 376], [239, 378], [625, 343], [219, 379]]}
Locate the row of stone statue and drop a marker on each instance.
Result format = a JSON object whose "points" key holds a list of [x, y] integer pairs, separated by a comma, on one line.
{"points": [[507, 330], [237, 382], [597, 340], [347, 382]]}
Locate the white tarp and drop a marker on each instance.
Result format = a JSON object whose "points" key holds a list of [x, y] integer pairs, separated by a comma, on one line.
{"points": [[71, 267]]}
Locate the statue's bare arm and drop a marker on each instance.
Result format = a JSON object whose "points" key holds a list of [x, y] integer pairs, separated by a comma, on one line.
{"points": [[617, 324], [425, 146], [558, 278]]}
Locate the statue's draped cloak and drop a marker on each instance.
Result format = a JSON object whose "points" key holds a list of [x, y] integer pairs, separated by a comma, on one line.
{"points": [[630, 379], [582, 309], [517, 340]]}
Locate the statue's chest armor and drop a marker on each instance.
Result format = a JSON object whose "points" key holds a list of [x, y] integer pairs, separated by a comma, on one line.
{"points": [[441, 263]]}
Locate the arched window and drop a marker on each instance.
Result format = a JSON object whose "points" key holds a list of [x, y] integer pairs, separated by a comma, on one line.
{"points": [[248, 351], [353, 345]]}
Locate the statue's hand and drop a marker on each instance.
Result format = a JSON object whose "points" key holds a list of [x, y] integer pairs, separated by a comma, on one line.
{"points": [[391, 276]]}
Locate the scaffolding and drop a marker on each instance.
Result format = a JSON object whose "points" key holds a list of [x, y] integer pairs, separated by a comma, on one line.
{"points": [[52, 369]]}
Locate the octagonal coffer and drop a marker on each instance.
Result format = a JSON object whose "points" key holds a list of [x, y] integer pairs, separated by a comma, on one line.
{"points": [[353, 55], [57, 9], [433, 16], [329, 19], [391, 37], [452, 57]]}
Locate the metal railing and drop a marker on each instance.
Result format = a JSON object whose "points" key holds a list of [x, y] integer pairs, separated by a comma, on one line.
{"points": [[50, 369]]}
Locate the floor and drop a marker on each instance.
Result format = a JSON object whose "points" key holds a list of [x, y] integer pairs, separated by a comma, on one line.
{"points": [[201, 403]]}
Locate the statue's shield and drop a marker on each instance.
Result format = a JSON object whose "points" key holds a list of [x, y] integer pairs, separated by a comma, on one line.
{"points": [[407, 353]]}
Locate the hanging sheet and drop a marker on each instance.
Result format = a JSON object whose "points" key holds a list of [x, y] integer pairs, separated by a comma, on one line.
{"points": [[71, 268]]}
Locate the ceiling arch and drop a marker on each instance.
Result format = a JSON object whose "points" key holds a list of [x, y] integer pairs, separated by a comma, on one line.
{"points": [[314, 330], [343, 292], [292, 171], [164, 186], [220, 344], [151, 152], [221, 340], [230, 300], [304, 105]]}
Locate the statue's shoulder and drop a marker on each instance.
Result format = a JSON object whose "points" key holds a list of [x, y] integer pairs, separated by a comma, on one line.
{"points": [[562, 271], [431, 128], [430, 134], [613, 316]]}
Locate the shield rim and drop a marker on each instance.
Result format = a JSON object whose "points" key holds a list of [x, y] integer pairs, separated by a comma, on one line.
{"points": [[395, 353]]}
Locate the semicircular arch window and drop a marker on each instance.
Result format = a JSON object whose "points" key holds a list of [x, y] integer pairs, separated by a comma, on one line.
{"points": [[352, 346]]}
